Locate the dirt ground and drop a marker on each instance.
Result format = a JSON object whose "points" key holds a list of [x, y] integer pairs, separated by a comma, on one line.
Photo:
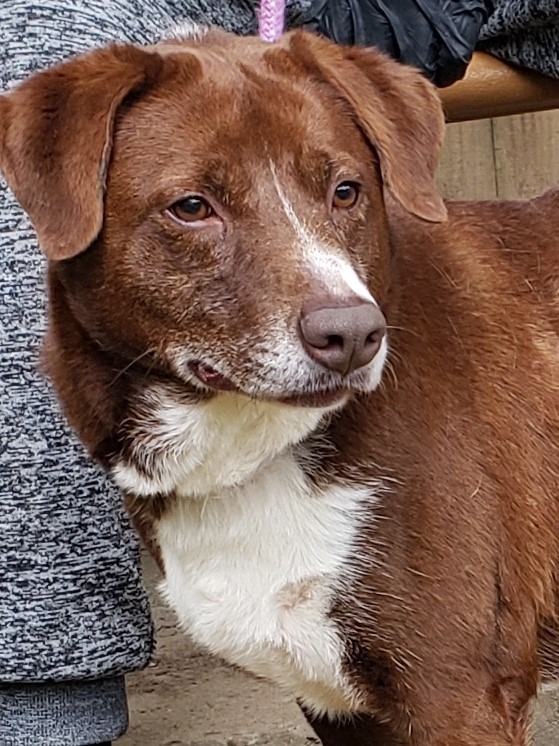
{"points": [[186, 698]]}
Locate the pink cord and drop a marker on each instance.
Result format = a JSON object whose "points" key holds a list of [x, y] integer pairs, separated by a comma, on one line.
{"points": [[271, 20]]}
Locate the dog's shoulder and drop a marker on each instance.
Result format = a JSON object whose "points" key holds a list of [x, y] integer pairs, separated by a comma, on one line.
{"points": [[498, 246]]}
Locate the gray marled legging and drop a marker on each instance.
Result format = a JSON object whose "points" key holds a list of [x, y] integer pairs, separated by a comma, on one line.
{"points": [[74, 615]]}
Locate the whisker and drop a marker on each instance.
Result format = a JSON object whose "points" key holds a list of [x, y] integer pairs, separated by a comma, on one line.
{"points": [[133, 362], [403, 329], [389, 366]]}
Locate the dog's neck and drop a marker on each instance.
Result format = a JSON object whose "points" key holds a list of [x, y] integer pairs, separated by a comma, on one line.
{"points": [[199, 449]]}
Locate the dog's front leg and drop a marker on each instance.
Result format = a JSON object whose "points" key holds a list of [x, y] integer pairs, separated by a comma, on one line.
{"points": [[475, 717], [360, 731], [466, 720]]}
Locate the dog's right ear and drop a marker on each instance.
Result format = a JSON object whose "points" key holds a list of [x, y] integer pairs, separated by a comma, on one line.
{"points": [[56, 138], [398, 111]]}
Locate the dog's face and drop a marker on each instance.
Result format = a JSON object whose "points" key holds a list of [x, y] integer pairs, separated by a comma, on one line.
{"points": [[215, 206]]}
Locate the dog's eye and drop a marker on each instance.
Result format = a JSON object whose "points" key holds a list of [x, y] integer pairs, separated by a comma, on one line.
{"points": [[191, 209], [346, 195]]}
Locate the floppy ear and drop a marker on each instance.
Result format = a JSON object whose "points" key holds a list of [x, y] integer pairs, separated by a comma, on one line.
{"points": [[56, 138], [396, 108]]}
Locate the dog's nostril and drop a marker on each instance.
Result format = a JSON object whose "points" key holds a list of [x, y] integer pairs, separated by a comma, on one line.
{"points": [[343, 338], [335, 341], [375, 337]]}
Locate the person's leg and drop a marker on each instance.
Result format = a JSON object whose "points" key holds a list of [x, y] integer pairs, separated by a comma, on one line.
{"points": [[75, 616], [73, 713]]}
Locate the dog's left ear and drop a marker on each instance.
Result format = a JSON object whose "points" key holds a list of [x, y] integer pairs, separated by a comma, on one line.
{"points": [[56, 137], [396, 108]]}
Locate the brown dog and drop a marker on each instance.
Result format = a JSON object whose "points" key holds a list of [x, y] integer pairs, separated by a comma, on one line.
{"points": [[363, 510]]}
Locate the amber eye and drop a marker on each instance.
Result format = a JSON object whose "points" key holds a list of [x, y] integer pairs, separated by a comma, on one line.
{"points": [[346, 195], [191, 209]]}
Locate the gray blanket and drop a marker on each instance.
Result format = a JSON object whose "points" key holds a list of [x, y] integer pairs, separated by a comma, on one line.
{"points": [[525, 32]]}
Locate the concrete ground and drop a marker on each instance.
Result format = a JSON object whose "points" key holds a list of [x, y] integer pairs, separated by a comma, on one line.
{"points": [[186, 698]]}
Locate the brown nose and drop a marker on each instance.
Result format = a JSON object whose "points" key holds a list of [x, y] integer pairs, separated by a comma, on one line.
{"points": [[343, 338]]}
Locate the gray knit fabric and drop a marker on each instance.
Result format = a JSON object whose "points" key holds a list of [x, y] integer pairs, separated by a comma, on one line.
{"points": [[72, 604], [71, 599], [525, 32], [62, 713]]}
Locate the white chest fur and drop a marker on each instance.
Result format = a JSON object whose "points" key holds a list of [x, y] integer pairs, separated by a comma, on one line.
{"points": [[253, 553], [251, 575]]}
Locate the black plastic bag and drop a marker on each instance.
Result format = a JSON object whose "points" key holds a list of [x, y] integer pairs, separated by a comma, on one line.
{"points": [[436, 36]]}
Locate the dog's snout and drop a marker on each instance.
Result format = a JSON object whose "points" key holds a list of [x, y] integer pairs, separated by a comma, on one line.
{"points": [[343, 338]]}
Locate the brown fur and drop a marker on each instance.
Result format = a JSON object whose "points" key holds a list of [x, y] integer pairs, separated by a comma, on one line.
{"points": [[452, 625]]}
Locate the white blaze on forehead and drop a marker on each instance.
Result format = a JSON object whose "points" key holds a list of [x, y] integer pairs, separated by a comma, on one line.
{"points": [[333, 270], [337, 273]]}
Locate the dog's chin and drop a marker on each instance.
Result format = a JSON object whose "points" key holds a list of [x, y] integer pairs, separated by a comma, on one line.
{"points": [[330, 394]]}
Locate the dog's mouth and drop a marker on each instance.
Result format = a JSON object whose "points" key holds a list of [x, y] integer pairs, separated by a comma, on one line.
{"points": [[211, 378], [316, 397]]}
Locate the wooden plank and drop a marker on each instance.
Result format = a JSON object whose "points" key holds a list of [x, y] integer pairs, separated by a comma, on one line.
{"points": [[526, 153], [467, 168], [494, 88]]}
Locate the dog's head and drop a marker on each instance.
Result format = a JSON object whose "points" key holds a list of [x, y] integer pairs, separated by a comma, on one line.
{"points": [[215, 205]]}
